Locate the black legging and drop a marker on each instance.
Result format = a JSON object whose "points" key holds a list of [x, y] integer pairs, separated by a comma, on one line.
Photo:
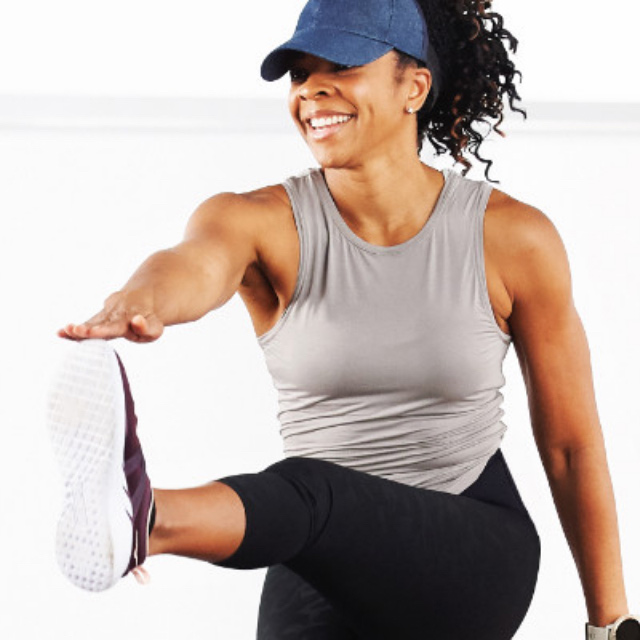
{"points": [[356, 556]]}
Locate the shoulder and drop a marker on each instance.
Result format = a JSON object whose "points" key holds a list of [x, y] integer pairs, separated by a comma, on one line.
{"points": [[520, 223], [253, 227], [248, 214], [526, 246], [259, 202]]}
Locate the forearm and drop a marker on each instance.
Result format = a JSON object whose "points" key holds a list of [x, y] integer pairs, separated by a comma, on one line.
{"points": [[584, 498], [176, 286], [185, 282]]}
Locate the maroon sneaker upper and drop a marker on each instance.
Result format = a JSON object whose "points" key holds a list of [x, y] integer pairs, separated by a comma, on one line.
{"points": [[138, 484]]}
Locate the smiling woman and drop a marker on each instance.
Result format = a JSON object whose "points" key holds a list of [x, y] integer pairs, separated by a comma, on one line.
{"points": [[339, 112], [470, 71], [385, 295]]}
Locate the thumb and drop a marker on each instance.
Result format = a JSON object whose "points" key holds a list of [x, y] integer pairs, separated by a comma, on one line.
{"points": [[147, 327]]}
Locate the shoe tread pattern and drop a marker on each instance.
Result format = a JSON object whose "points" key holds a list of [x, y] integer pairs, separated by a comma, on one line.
{"points": [[86, 424]]}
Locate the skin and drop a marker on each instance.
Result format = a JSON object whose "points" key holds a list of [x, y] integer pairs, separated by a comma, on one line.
{"points": [[247, 243]]}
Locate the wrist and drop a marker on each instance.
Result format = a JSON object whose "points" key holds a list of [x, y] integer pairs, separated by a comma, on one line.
{"points": [[605, 615], [626, 627]]}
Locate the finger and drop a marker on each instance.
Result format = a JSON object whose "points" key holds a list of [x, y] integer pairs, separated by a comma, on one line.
{"points": [[87, 330], [139, 338], [63, 333], [70, 331], [79, 331], [146, 328]]}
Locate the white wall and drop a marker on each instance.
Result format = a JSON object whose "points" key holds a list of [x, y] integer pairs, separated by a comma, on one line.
{"points": [[89, 189], [571, 50]]}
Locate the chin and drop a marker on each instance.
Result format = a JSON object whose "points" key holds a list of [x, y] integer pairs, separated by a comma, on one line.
{"points": [[331, 160], [329, 156]]}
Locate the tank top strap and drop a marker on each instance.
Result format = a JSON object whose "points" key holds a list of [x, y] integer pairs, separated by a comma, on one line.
{"points": [[465, 221], [468, 200], [311, 223]]}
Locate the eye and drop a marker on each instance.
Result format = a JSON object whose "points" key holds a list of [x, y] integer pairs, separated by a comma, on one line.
{"points": [[342, 67], [298, 74]]}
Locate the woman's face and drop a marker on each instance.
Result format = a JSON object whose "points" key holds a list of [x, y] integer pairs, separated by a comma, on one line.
{"points": [[351, 115]]}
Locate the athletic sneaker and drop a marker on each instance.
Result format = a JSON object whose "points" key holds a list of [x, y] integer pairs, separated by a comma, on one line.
{"points": [[102, 533]]}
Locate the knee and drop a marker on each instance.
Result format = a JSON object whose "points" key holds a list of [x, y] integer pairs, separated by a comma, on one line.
{"points": [[313, 481]]}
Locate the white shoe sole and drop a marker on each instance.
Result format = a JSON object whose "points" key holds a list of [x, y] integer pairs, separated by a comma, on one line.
{"points": [[87, 423]]}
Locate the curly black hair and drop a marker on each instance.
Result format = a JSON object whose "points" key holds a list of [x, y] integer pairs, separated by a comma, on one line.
{"points": [[472, 72]]}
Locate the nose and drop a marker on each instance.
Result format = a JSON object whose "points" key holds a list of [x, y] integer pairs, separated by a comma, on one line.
{"points": [[315, 86]]}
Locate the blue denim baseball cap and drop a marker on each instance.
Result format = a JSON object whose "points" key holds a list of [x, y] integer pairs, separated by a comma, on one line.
{"points": [[352, 33]]}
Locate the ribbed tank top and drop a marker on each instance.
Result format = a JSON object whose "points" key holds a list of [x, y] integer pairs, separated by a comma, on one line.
{"points": [[389, 359]]}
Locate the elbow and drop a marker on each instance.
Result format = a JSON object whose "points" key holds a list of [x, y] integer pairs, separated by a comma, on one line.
{"points": [[562, 461]]}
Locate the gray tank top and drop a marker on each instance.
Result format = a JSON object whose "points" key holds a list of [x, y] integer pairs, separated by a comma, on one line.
{"points": [[389, 359]]}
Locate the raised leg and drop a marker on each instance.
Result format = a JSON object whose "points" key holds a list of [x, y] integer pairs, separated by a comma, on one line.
{"points": [[392, 560], [389, 560], [209, 523]]}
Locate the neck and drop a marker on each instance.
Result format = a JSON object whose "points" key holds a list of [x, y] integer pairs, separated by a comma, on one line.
{"points": [[386, 200]]}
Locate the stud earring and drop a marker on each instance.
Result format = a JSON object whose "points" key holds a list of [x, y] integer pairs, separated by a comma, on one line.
{"points": [[410, 110]]}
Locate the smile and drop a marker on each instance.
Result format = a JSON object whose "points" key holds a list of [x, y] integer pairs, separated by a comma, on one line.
{"points": [[320, 123], [322, 128]]}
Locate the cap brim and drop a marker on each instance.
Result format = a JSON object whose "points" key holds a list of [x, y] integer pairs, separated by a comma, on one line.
{"points": [[340, 47]]}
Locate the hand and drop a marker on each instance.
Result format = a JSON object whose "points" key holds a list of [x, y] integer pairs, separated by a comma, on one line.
{"points": [[125, 315]]}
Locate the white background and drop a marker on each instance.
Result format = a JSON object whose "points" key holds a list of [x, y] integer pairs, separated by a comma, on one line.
{"points": [[88, 192], [573, 50]]}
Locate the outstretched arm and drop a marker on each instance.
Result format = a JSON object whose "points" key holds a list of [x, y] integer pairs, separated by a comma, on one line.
{"points": [[185, 282], [554, 357]]}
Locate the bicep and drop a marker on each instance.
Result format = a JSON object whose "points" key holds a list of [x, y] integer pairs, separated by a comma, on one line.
{"points": [[220, 240], [551, 343]]}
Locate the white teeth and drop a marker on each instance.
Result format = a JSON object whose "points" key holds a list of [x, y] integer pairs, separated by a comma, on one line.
{"points": [[317, 123]]}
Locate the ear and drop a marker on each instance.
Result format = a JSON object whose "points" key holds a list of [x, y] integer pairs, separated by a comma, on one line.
{"points": [[419, 86]]}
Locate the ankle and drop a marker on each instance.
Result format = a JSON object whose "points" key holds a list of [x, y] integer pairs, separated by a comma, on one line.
{"points": [[152, 515], [157, 530]]}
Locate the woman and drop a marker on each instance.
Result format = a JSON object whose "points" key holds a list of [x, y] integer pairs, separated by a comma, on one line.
{"points": [[385, 295]]}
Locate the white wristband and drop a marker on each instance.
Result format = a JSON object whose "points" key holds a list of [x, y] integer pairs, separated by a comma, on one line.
{"points": [[597, 633], [610, 631]]}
